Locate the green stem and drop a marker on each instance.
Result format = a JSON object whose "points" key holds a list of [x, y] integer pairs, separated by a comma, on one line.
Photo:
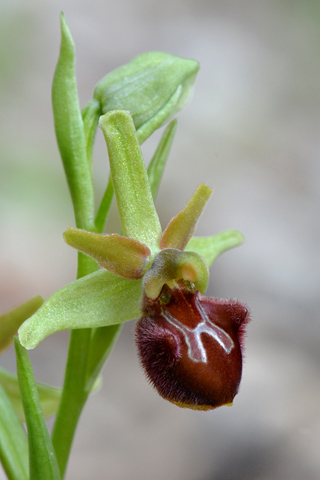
{"points": [[73, 398], [74, 393]]}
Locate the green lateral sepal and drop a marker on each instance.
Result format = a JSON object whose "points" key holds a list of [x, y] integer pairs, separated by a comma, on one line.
{"points": [[211, 247], [121, 255]]}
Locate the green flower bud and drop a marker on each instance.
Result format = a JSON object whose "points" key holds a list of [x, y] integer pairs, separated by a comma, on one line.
{"points": [[153, 87]]}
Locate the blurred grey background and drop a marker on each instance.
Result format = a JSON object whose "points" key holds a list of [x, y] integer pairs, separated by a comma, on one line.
{"points": [[252, 133]]}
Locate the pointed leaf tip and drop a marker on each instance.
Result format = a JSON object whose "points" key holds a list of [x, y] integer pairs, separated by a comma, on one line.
{"points": [[69, 130]]}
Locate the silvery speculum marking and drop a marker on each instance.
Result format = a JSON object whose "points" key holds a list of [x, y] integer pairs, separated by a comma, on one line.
{"points": [[192, 336]]}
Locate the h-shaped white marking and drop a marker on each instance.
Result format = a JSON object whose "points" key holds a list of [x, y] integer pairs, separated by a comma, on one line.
{"points": [[196, 350]]}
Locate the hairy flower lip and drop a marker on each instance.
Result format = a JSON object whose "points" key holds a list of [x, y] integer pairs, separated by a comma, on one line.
{"points": [[190, 347]]}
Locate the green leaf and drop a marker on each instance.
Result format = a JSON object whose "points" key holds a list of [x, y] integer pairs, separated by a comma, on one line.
{"points": [[11, 321], [104, 207], [90, 117], [49, 396], [71, 137], [42, 459], [181, 227], [153, 87], [13, 441], [124, 256], [159, 159], [139, 219], [211, 247], [99, 299]]}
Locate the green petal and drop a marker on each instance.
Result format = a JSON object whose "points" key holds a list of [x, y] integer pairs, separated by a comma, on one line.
{"points": [[173, 265], [180, 229], [211, 247], [124, 256], [70, 133], [13, 441], [42, 459], [139, 219], [153, 87], [11, 321], [99, 299], [159, 159]]}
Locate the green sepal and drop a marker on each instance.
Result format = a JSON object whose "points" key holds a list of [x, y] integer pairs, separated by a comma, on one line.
{"points": [[11, 321], [153, 87], [159, 159], [121, 255], [172, 265], [70, 133], [155, 172], [211, 247], [13, 441], [96, 300], [42, 459], [181, 227], [139, 219], [49, 396]]}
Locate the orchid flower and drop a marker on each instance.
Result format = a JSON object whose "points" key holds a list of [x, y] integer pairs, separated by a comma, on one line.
{"points": [[144, 270]]}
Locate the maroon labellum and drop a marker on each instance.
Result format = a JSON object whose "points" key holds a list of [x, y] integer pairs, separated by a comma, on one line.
{"points": [[190, 347]]}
